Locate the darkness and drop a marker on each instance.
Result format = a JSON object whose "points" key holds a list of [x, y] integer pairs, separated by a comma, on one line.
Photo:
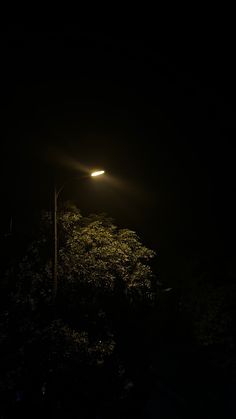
{"points": [[157, 113]]}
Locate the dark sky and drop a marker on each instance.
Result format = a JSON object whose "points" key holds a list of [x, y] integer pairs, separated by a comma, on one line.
{"points": [[157, 114]]}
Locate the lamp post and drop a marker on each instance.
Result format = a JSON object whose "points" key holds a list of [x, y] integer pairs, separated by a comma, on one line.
{"points": [[56, 193]]}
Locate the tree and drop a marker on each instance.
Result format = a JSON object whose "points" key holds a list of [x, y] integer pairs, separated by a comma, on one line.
{"points": [[104, 274]]}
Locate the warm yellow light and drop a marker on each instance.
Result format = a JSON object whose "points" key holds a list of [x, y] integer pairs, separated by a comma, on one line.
{"points": [[98, 173]]}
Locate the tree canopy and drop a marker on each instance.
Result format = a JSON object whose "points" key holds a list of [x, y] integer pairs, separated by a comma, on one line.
{"points": [[104, 273], [93, 254]]}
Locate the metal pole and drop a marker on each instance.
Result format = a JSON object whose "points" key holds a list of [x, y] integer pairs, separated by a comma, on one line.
{"points": [[54, 271]]}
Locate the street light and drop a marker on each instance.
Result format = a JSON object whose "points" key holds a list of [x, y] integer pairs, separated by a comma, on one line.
{"points": [[98, 173], [56, 194]]}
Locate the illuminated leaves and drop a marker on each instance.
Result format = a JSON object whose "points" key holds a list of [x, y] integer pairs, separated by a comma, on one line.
{"points": [[97, 252], [92, 252], [101, 270]]}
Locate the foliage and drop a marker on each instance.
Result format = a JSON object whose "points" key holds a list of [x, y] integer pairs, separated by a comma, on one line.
{"points": [[102, 271], [209, 302], [93, 254], [213, 315]]}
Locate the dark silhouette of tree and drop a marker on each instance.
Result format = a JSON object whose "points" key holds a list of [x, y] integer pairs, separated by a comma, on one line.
{"points": [[77, 350]]}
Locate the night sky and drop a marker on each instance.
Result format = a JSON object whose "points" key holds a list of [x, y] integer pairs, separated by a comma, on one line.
{"points": [[157, 114]]}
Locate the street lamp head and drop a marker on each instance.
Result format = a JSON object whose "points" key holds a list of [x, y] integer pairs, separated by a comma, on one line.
{"points": [[98, 173]]}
